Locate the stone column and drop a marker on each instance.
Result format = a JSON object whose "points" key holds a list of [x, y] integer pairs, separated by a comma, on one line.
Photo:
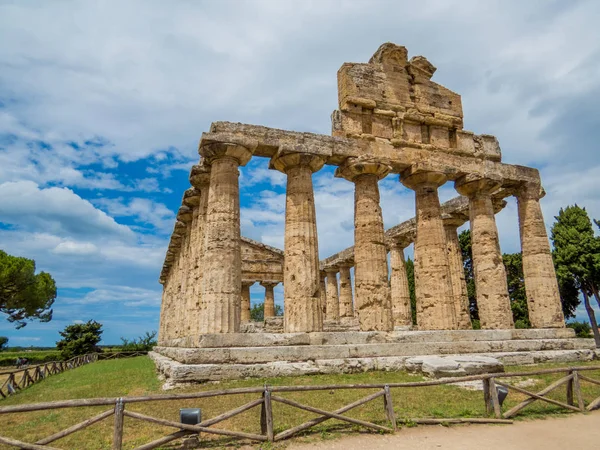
{"points": [[184, 215], [401, 311], [222, 264], [457, 272], [493, 302], [245, 307], [435, 303], [346, 308], [373, 300], [323, 292], [541, 286], [269, 305], [200, 179], [332, 311], [302, 299]]}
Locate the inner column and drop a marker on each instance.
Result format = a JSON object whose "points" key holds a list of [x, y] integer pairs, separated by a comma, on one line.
{"points": [[346, 308], [457, 272], [373, 301], [400, 292], [493, 302], [332, 311], [301, 290], [222, 264], [269, 304], [541, 286], [435, 302]]}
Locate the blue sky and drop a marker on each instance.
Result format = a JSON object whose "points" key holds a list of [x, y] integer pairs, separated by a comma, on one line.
{"points": [[102, 104]]}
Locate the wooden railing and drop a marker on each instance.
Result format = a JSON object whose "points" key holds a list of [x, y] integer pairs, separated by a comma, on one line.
{"points": [[20, 379], [269, 395]]}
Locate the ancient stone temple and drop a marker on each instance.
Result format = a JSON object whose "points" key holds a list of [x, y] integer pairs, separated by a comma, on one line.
{"points": [[392, 121]]}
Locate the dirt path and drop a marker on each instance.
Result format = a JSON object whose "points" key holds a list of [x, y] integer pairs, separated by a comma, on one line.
{"points": [[576, 431]]}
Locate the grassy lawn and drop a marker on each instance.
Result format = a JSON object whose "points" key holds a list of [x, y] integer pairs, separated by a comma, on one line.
{"points": [[136, 376]]}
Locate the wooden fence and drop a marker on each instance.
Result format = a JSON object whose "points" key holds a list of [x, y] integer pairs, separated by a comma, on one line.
{"points": [[269, 395], [20, 379]]}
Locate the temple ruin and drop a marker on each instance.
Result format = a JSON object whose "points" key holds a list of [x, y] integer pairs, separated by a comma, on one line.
{"points": [[392, 120]]}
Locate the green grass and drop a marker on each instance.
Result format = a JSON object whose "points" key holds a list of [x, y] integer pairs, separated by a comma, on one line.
{"points": [[136, 376]]}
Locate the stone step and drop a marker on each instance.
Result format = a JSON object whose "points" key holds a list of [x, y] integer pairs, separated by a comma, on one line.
{"points": [[365, 337], [176, 372], [254, 355]]}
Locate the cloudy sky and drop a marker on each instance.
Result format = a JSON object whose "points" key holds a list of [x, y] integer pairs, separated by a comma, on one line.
{"points": [[102, 104]]}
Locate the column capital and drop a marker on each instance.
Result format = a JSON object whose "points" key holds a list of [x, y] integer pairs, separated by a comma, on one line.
{"points": [[400, 242], [453, 221], [533, 191], [269, 284], [331, 270], [414, 178], [200, 176], [472, 185], [287, 158], [191, 197], [248, 282], [217, 150], [184, 214], [354, 167]]}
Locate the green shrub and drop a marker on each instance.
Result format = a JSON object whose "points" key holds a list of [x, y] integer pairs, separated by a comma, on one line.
{"points": [[141, 344], [582, 329]]}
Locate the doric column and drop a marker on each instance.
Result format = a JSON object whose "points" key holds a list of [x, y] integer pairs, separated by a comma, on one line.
{"points": [[184, 215], [372, 290], [323, 292], [200, 179], [457, 272], [435, 303], [401, 311], [245, 307], [346, 308], [541, 286], [493, 302], [222, 265], [302, 299], [269, 305], [178, 303], [332, 311]]}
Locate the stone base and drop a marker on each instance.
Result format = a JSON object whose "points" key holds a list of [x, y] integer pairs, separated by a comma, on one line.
{"points": [[233, 356]]}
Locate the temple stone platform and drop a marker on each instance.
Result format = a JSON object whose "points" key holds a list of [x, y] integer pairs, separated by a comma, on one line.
{"points": [[213, 357]]}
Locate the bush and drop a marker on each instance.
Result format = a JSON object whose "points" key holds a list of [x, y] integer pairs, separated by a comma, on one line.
{"points": [[34, 357], [3, 343], [142, 344], [80, 339], [582, 329]]}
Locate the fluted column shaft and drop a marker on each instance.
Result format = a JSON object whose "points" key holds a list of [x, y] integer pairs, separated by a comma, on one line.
{"points": [[457, 274], [401, 311], [245, 306], [269, 305], [323, 292], [302, 299], [435, 303], [541, 286], [222, 273], [493, 302], [346, 308], [332, 311], [373, 300]]}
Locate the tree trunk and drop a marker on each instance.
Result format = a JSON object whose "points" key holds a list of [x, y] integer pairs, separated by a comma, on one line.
{"points": [[595, 291], [592, 316]]}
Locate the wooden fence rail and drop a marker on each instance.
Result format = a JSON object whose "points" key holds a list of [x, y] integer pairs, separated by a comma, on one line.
{"points": [[20, 379], [572, 380]]}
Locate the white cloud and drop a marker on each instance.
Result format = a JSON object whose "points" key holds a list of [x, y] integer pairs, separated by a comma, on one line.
{"points": [[56, 210]]}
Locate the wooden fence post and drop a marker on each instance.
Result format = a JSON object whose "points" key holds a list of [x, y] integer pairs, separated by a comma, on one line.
{"points": [[118, 430], [266, 415], [577, 389], [494, 398], [570, 390], [389, 407]]}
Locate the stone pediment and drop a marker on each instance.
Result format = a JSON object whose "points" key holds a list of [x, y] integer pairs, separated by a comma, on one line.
{"points": [[257, 251]]}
